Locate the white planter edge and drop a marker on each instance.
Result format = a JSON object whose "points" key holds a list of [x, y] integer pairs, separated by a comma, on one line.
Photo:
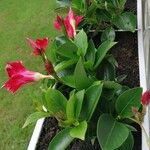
{"points": [[143, 83], [143, 52], [36, 134]]}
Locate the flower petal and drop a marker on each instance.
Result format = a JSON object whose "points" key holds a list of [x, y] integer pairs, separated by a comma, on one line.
{"points": [[42, 43], [33, 44], [39, 45], [146, 98], [58, 23], [69, 29], [70, 15], [19, 76], [78, 19], [17, 81], [14, 67]]}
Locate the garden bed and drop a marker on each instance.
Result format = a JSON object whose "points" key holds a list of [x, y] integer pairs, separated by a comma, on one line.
{"points": [[126, 53]]}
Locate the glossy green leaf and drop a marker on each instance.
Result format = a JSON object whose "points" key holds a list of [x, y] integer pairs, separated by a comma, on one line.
{"points": [[56, 101], [112, 85], [126, 21], [35, 117], [113, 7], [121, 3], [106, 71], [68, 49], [128, 144], [69, 80], [111, 59], [61, 141], [65, 64], [92, 96], [111, 134], [79, 102], [78, 4], [102, 51], [71, 105], [131, 128], [82, 42], [103, 15], [108, 34], [52, 53], [79, 131], [81, 79], [60, 40], [127, 100], [90, 55], [120, 78]]}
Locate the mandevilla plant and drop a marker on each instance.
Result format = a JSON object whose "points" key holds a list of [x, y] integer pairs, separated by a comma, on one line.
{"points": [[101, 14], [83, 90]]}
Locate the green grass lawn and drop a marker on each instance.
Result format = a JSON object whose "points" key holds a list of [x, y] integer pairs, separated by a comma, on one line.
{"points": [[20, 19]]}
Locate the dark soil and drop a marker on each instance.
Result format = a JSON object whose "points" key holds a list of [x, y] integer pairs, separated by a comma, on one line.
{"points": [[50, 128], [131, 5], [126, 53]]}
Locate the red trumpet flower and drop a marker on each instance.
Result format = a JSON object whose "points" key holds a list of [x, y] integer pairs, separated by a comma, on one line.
{"points": [[19, 76], [39, 45], [146, 98], [70, 23]]}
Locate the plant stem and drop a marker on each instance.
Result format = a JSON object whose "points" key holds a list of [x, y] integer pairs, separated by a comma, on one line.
{"points": [[144, 131]]}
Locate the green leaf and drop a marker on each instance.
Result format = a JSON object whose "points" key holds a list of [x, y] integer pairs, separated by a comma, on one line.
{"points": [[108, 34], [103, 15], [56, 102], [110, 58], [79, 131], [120, 78], [52, 53], [78, 4], [65, 64], [126, 21], [106, 71], [34, 117], [90, 55], [131, 128], [60, 40], [128, 144], [111, 134], [92, 96], [127, 100], [69, 80], [112, 85], [61, 141], [102, 51], [68, 49], [70, 109], [79, 102], [81, 79], [74, 105], [82, 42], [121, 3]]}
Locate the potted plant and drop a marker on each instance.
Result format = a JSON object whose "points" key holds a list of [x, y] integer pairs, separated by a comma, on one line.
{"points": [[82, 89]]}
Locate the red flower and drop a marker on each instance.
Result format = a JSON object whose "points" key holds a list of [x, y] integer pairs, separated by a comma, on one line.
{"points": [[19, 76], [70, 23], [146, 98], [58, 23], [39, 45]]}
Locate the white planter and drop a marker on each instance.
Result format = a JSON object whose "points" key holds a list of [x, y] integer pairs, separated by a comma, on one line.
{"points": [[144, 51], [143, 15]]}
